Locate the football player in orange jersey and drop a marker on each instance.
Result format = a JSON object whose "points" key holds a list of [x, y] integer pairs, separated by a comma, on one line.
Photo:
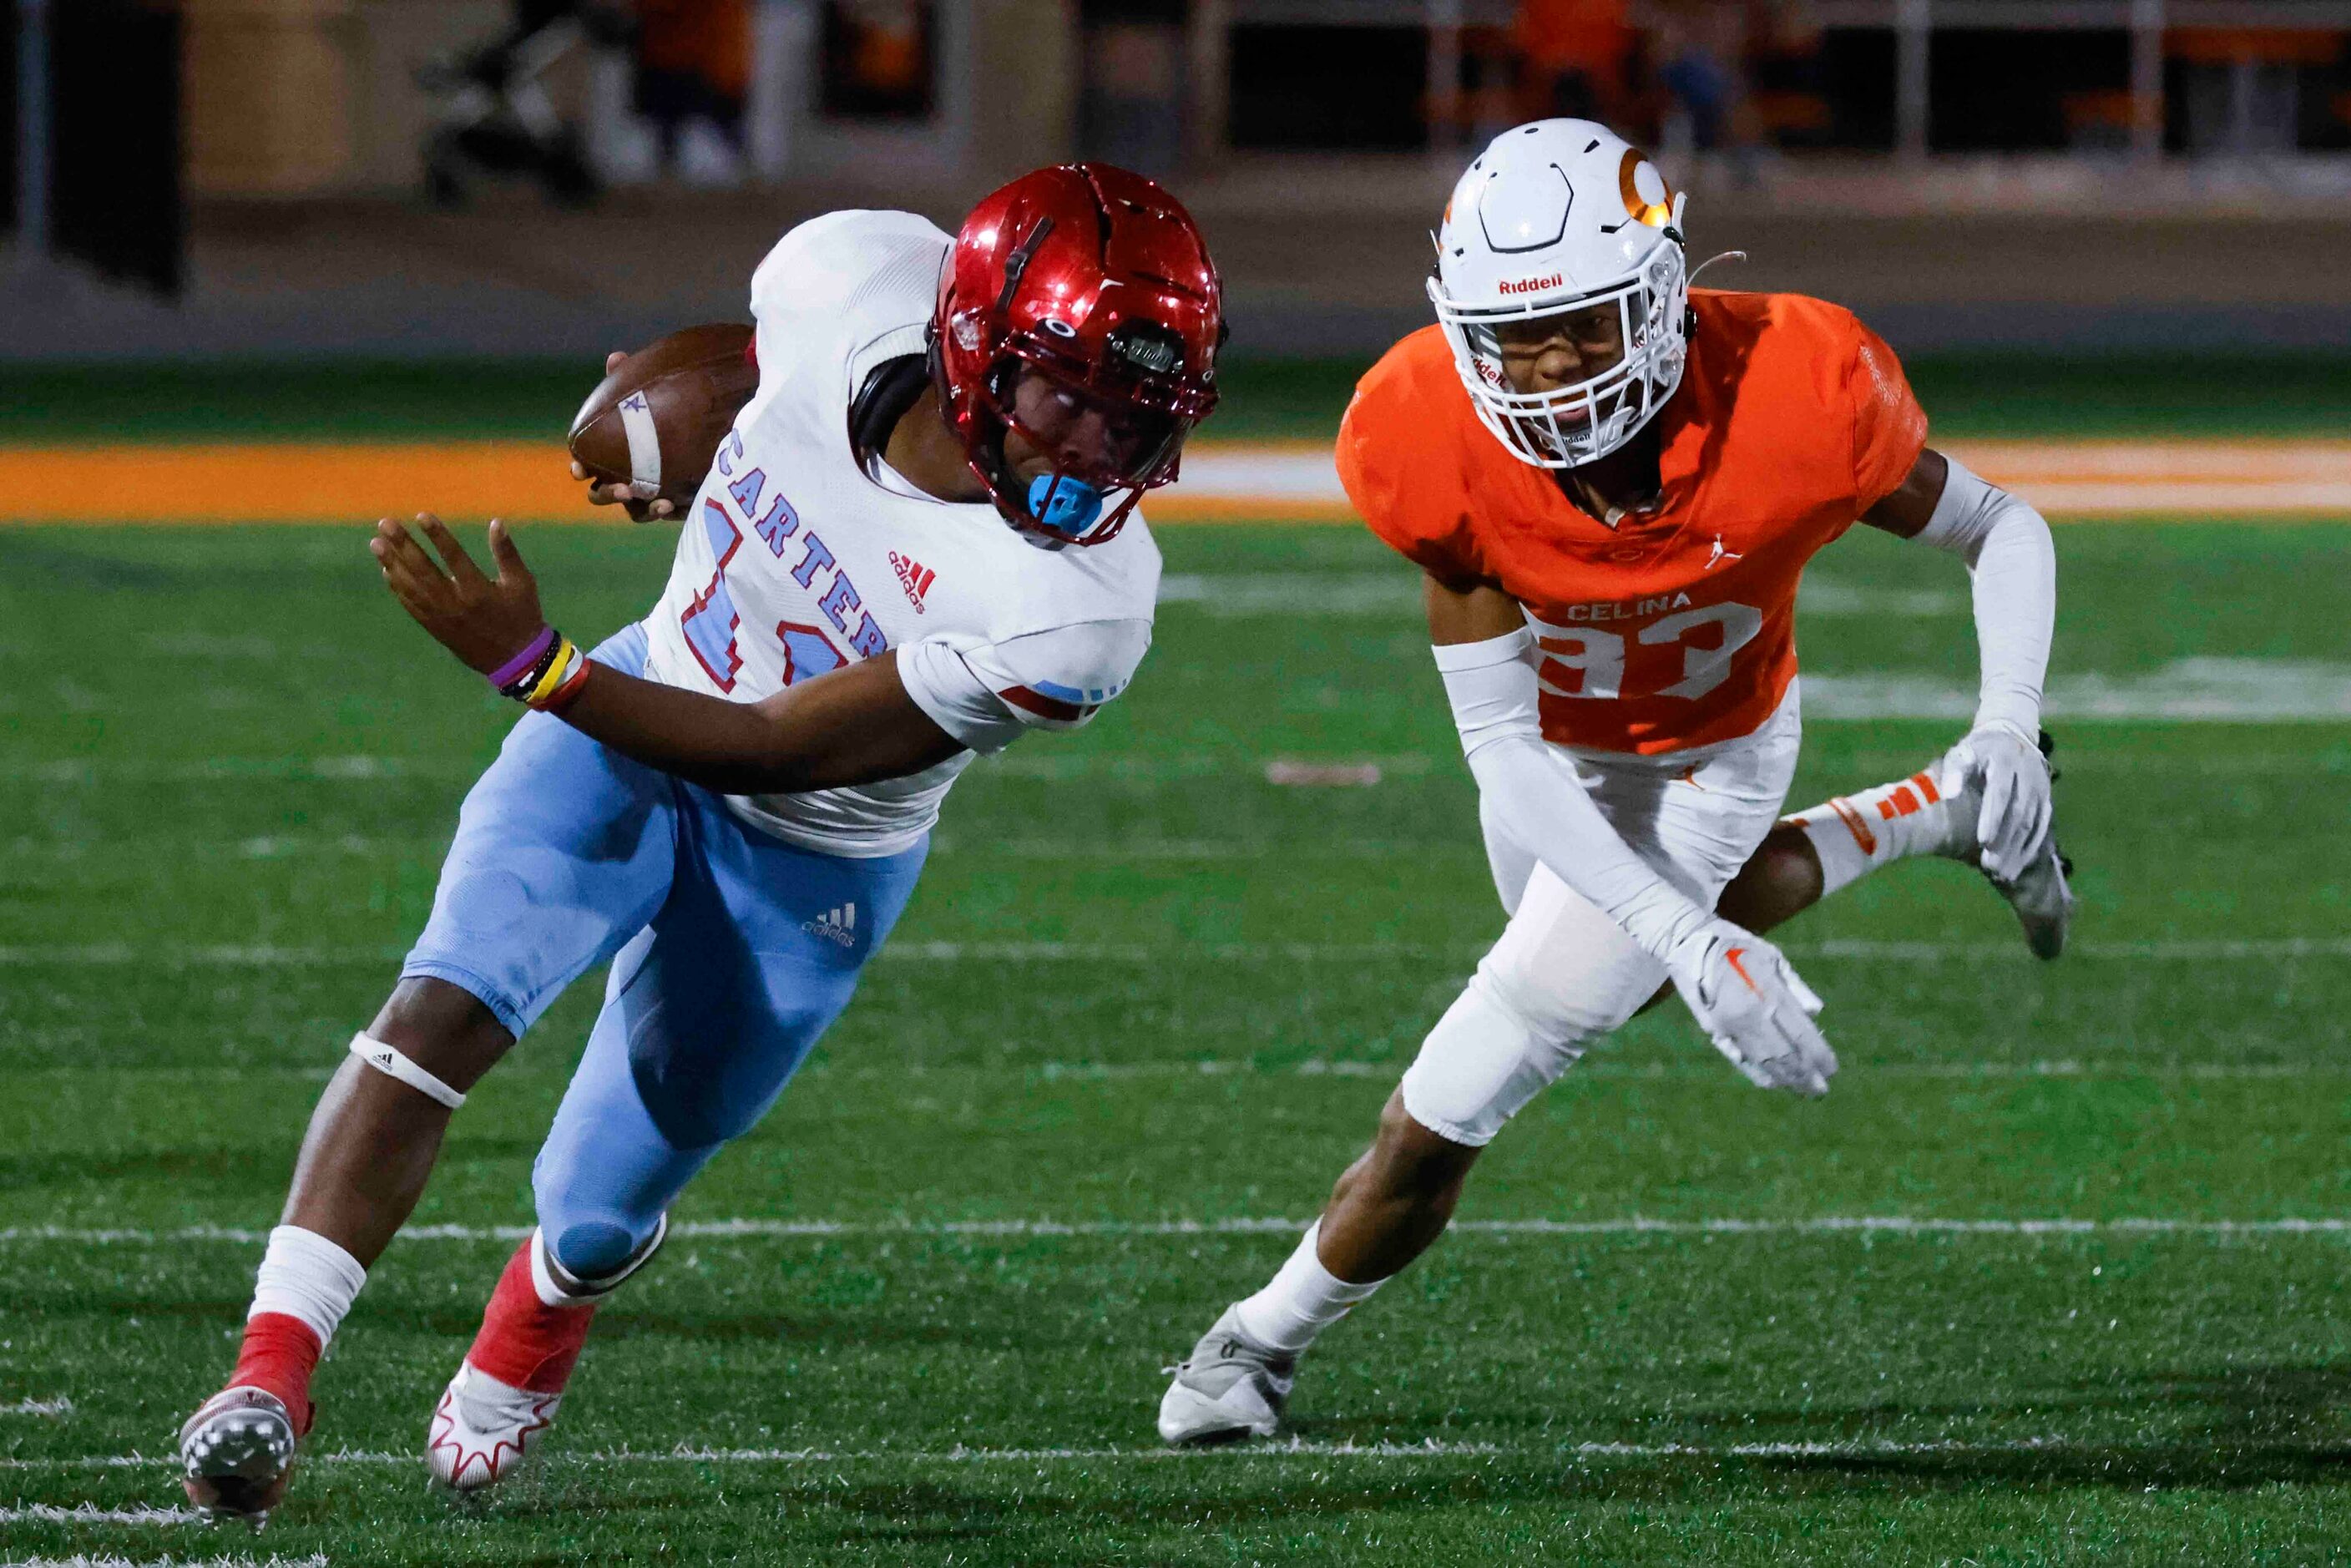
{"points": [[1611, 483]]}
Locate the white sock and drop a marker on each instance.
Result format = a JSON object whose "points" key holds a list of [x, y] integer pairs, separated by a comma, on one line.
{"points": [[1853, 835], [308, 1278], [1302, 1300]]}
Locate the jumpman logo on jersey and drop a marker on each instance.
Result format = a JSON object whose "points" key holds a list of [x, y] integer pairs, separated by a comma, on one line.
{"points": [[1720, 555]]}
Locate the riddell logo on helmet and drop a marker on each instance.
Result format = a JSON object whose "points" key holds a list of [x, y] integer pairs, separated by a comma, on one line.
{"points": [[1534, 284]]}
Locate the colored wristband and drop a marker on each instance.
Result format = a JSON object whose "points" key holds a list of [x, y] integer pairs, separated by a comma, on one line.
{"points": [[522, 663], [560, 667], [563, 695], [558, 662]]}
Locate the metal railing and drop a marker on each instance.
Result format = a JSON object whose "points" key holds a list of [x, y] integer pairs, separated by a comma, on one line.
{"points": [[1914, 24]]}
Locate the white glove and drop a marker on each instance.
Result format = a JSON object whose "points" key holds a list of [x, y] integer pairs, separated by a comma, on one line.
{"points": [[2006, 765], [1753, 1008]]}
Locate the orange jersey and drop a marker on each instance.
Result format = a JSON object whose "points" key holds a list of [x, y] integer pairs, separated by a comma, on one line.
{"points": [[1678, 627]]}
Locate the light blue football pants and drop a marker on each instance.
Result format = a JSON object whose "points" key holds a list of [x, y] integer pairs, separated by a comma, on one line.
{"points": [[731, 954]]}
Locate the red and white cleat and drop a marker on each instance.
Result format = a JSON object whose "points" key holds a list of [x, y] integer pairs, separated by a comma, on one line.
{"points": [[506, 1393], [482, 1428], [237, 1453]]}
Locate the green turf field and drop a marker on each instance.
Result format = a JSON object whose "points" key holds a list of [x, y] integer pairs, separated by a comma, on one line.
{"points": [[1143, 1007]]}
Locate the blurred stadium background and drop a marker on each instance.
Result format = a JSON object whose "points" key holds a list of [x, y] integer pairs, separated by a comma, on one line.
{"points": [[2054, 1276]]}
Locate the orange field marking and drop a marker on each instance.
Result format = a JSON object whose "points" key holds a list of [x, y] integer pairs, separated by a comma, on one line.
{"points": [[263, 483], [1225, 482]]}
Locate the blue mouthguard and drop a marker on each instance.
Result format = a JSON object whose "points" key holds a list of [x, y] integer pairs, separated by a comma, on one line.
{"points": [[1063, 505]]}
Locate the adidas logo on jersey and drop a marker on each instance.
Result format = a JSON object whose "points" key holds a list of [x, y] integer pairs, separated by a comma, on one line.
{"points": [[837, 925], [913, 577]]}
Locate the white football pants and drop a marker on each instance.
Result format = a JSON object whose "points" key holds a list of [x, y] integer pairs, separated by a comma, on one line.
{"points": [[1563, 973]]}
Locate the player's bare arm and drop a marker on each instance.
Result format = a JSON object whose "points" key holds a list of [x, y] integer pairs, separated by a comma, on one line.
{"points": [[1909, 507], [1465, 609], [854, 725]]}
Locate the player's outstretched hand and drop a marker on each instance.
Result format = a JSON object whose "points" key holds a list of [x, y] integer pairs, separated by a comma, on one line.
{"points": [[1754, 1008], [2007, 765], [621, 495], [485, 620]]}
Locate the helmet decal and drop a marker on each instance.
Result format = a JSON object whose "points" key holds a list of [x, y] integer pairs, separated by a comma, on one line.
{"points": [[1526, 215], [1648, 199]]}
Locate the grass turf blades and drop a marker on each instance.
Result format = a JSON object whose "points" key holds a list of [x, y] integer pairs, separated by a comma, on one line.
{"points": [[1141, 987]]}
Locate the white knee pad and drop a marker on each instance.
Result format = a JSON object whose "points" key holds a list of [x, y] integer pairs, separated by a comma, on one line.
{"points": [[1479, 1064], [1562, 975]]}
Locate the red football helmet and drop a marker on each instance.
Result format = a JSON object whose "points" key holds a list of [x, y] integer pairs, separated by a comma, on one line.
{"points": [[1096, 281]]}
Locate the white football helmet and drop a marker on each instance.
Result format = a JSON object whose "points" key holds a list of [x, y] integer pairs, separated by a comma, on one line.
{"points": [[1564, 218]]}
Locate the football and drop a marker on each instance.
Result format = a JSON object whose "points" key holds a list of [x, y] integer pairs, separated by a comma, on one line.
{"points": [[655, 422]]}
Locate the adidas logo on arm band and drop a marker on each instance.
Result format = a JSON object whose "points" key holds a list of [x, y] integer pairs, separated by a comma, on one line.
{"points": [[392, 1063]]}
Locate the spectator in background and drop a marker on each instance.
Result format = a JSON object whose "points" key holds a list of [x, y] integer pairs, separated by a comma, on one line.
{"points": [[1700, 49], [492, 113], [694, 72], [1704, 53], [1576, 59]]}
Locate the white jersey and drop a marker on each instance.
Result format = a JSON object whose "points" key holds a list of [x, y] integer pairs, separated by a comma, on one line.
{"points": [[797, 560]]}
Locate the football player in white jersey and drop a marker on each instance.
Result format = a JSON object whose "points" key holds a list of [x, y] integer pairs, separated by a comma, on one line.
{"points": [[918, 543]]}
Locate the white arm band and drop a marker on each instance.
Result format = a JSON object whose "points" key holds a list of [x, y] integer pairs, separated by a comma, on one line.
{"points": [[1532, 793], [2013, 563], [393, 1064]]}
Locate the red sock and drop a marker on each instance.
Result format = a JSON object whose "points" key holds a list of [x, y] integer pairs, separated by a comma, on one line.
{"points": [[279, 1354], [525, 1342]]}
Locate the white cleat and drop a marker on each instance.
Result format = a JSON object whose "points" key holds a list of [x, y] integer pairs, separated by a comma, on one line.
{"points": [[482, 1429], [237, 1453], [2041, 896], [1230, 1388]]}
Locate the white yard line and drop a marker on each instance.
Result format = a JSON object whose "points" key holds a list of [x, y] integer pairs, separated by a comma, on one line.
{"points": [[56, 1409], [2120, 1070], [2214, 477], [170, 955], [2125, 1070], [2202, 690], [320, 769], [1629, 1224], [316, 1559], [90, 1513], [1145, 765], [149, 849], [1396, 591], [1291, 1450]]}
